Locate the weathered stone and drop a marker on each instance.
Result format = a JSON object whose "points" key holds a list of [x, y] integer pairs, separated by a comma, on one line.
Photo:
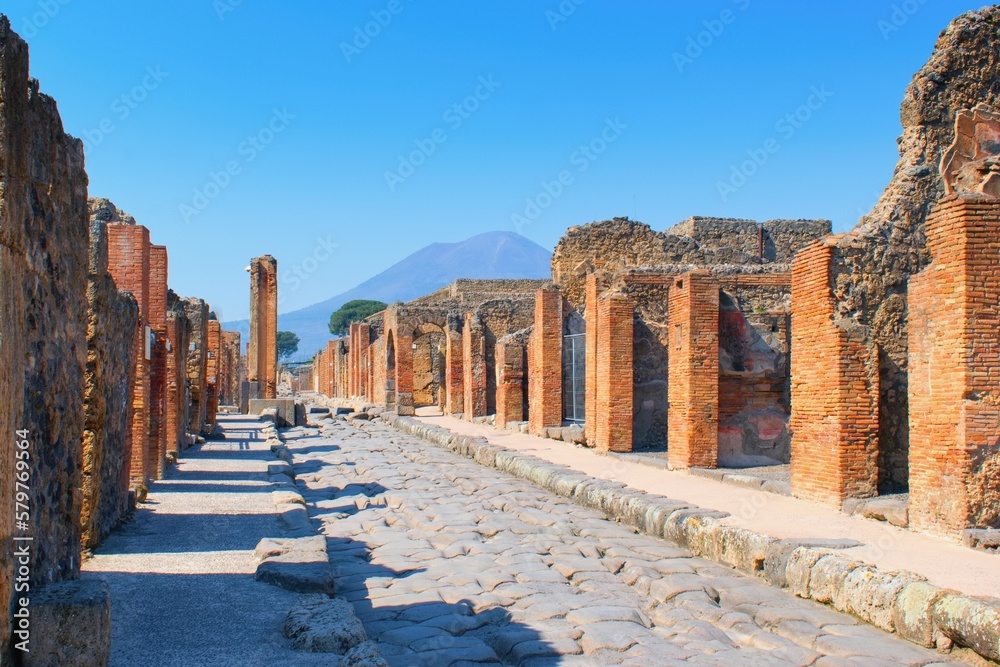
{"points": [[329, 626], [969, 622], [70, 625]]}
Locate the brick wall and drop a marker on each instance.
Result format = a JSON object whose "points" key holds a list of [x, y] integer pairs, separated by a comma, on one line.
{"points": [[545, 363], [834, 420], [474, 367], [614, 399], [128, 264], [954, 364], [262, 353], [693, 384]]}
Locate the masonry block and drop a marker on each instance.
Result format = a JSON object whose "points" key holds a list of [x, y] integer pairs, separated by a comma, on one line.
{"points": [[835, 403], [454, 373], [693, 377], [954, 364]]}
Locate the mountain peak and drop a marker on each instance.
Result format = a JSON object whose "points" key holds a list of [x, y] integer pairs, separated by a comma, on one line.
{"points": [[497, 254]]}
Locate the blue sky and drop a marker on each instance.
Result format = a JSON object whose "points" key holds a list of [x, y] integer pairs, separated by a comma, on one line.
{"points": [[233, 128]]}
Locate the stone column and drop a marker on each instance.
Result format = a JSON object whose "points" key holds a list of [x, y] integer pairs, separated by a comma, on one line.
{"points": [[474, 367], [262, 354]]}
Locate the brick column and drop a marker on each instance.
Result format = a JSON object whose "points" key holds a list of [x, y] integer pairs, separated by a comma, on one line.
{"points": [[176, 356], [614, 399], [590, 350], [474, 367], [352, 360], [954, 365], [693, 372], [510, 362], [128, 264], [262, 353], [834, 420], [545, 363]]}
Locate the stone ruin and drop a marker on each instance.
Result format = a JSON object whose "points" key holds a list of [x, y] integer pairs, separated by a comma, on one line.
{"points": [[731, 342], [93, 350]]}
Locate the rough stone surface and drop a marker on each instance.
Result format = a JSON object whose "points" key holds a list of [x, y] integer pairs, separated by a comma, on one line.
{"points": [[43, 260], [112, 319], [327, 626], [887, 246], [445, 562], [71, 625]]}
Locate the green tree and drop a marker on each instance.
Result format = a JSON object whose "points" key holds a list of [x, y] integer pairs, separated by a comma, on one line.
{"points": [[288, 344], [353, 311]]}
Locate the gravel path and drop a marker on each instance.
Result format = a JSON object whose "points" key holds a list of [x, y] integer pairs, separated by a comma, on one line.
{"points": [[451, 563], [181, 573]]}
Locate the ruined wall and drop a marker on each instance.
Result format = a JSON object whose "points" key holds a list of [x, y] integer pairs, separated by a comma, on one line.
{"points": [[512, 378], [112, 320], [197, 361], [262, 351], [619, 244], [43, 305], [213, 369], [888, 245], [500, 317]]}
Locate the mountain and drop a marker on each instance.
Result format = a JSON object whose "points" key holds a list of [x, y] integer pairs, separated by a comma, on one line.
{"points": [[489, 255]]}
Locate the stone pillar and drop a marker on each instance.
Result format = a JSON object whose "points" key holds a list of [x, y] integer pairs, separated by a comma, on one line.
{"points": [[614, 400], [197, 363], [212, 370], [693, 372], [454, 373], [954, 366], [473, 367], [835, 405], [590, 349], [404, 373], [262, 354], [128, 264], [510, 361], [545, 363], [176, 381]]}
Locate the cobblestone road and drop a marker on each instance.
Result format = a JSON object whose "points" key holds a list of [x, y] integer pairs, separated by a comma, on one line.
{"points": [[451, 563]]}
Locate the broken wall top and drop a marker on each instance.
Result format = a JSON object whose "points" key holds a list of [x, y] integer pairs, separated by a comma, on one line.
{"points": [[723, 245]]}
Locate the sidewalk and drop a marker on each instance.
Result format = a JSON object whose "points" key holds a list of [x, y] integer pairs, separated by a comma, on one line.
{"points": [[182, 571], [943, 563]]}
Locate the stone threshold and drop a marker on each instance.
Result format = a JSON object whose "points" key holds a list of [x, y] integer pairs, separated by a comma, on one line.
{"points": [[902, 602]]}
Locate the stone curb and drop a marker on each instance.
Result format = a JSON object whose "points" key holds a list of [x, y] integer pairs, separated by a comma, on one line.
{"points": [[897, 602], [301, 563]]}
